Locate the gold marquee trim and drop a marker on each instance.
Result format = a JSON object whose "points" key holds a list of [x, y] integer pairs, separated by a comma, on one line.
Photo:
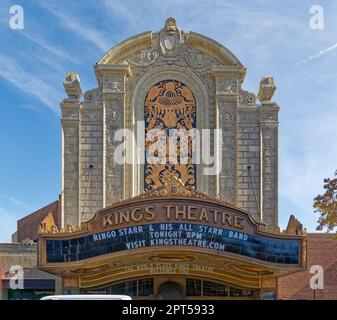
{"points": [[173, 187]]}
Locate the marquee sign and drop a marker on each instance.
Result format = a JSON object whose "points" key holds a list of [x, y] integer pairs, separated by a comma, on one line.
{"points": [[172, 218], [174, 235]]}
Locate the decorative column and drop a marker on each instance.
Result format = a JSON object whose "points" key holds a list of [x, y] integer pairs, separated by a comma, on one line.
{"points": [[226, 97], [112, 83], [269, 152], [70, 108]]}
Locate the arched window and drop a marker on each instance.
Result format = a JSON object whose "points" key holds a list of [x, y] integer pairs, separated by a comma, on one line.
{"points": [[170, 106]]}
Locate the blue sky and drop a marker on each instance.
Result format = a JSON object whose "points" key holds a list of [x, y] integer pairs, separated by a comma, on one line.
{"points": [[269, 37]]}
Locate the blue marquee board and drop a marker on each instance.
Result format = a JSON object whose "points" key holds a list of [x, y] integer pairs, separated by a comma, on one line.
{"points": [[264, 248]]}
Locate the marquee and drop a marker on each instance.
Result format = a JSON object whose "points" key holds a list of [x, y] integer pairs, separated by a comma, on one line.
{"points": [[183, 220]]}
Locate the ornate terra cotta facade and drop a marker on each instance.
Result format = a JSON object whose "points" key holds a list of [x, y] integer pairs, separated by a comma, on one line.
{"points": [[170, 227]]}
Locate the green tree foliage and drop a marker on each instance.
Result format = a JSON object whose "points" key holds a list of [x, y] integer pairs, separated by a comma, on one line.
{"points": [[326, 205]]}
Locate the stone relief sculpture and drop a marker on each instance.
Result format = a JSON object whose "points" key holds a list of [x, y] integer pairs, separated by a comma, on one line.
{"points": [[227, 86], [144, 58], [171, 38], [113, 85]]}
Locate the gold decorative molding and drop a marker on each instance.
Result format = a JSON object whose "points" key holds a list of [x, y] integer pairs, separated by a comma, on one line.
{"points": [[47, 225], [294, 227], [173, 187]]}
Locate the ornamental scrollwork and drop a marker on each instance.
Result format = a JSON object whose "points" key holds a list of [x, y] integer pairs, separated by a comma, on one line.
{"points": [[170, 105]]}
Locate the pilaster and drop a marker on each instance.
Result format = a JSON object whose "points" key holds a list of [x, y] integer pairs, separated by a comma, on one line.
{"points": [[70, 108], [269, 163], [269, 152], [226, 98], [111, 79]]}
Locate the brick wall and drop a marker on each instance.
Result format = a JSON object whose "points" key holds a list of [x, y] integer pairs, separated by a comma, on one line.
{"points": [[27, 227], [91, 194], [321, 250], [249, 155]]}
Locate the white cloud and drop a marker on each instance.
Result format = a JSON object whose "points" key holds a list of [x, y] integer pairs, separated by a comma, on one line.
{"points": [[85, 32], [318, 55], [29, 82], [52, 49], [15, 201]]}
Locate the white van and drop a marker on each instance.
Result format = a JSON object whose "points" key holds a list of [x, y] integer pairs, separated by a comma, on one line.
{"points": [[87, 297]]}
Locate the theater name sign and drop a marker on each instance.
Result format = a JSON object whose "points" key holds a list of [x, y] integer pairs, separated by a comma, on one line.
{"points": [[174, 229]]}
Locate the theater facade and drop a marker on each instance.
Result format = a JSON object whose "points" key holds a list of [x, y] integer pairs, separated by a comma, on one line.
{"points": [[179, 230]]}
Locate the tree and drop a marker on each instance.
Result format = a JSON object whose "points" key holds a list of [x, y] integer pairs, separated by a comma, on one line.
{"points": [[326, 205]]}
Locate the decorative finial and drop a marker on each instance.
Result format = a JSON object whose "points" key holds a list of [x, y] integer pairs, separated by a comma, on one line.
{"points": [[72, 85], [294, 227], [47, 225], [267, 89], [170, 26]]}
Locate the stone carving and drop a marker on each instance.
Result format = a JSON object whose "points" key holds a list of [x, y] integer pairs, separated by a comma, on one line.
{"points": [[226, 117], [269, 177], [226, 183], [197, 59], [72, 85], [170, 38], [226, 86], [247, 97], [269, 116], [112, 116], [251, 99], [172, 44], [67, 148], [113, 180], [183, 56], [110, 191], [267, 89], [113, 85], [144, 58], [71, 114], [93, 95]]}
